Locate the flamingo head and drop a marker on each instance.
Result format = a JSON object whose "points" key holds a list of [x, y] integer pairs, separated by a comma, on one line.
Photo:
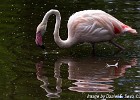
{"points": [[39, 34]]}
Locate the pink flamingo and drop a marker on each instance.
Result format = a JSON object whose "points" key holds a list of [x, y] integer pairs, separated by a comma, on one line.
{"points": [[90, 26]]}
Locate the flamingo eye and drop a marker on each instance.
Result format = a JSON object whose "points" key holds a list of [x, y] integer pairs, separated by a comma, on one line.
{"points": [[38, 32]]}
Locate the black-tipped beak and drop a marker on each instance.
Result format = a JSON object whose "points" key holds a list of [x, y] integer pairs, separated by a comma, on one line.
{"points": [[42, 46]]}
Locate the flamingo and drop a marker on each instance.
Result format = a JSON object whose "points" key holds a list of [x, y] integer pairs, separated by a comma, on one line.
{"points": [[90, 26]]}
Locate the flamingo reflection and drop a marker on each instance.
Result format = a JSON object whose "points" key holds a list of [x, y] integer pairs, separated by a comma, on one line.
{"points": [[44, 79], [90, 74]]}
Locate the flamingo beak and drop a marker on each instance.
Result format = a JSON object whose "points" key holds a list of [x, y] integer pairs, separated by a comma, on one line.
{"points": [[38, 40]]}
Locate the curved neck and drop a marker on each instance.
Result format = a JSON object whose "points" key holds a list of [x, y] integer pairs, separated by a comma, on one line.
{"points": [[59, 42]]}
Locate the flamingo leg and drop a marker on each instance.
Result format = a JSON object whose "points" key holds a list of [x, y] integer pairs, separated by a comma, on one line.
{"points": [[93, 48], [117, 45]]}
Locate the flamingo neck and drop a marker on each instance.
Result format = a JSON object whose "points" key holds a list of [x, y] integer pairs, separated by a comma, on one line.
{"points": [[61, 43]]}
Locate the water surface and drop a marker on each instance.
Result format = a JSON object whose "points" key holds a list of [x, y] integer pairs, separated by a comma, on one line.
{"points": [[29, 73]]}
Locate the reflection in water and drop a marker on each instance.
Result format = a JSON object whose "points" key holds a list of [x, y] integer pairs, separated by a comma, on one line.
{"points": [[137, 86], [44, 79], [90, 74]]}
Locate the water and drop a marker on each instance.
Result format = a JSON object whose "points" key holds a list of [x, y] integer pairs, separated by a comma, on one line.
{"points": [[29, 73]]}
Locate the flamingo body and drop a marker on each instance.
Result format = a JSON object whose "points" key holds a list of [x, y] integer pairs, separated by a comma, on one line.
{"points": [[95, 26], [85, 26]]}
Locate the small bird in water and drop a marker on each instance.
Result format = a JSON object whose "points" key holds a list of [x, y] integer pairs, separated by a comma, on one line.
{"points": [[116, 65], [90, 26]]}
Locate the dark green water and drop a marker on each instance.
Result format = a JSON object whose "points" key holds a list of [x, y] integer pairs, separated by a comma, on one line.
{"points": [[68, 74]]}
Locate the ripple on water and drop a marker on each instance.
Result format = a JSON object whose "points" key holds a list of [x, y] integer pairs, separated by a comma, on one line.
{"points": [[83, 86], [51, 52], [137, 43], [137, 89]]}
